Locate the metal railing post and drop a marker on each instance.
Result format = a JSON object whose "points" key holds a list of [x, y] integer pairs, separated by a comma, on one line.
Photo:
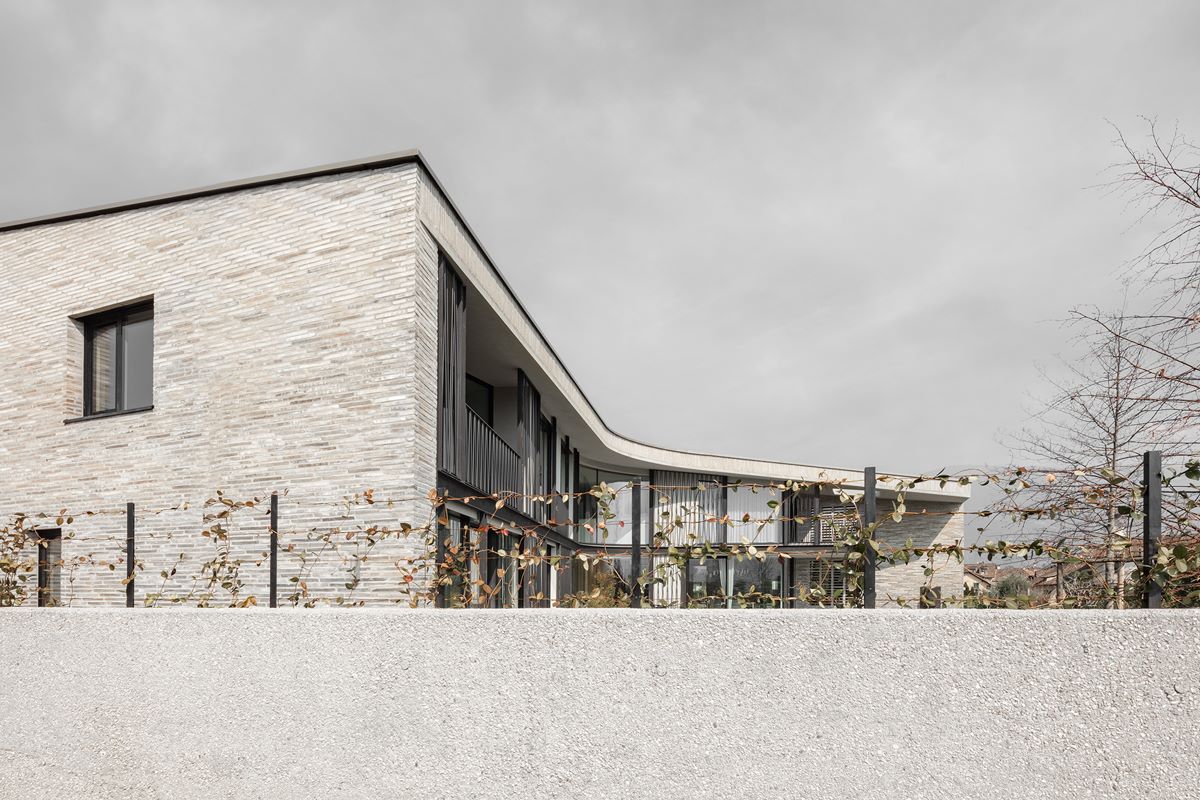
{"points": [[869, 536], [129, 554], [274, 546], [1151, 526], [440, 599], [635, 552]]}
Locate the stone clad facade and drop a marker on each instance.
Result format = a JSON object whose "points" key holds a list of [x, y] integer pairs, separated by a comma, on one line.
{"points": [[929, 523], [295, 350]]}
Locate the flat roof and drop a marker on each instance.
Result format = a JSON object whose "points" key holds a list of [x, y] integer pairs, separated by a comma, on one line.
{"points": [[357, 165]]}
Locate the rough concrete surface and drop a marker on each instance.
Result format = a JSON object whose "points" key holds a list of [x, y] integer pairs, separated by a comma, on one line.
{"points": [[807, 704]]}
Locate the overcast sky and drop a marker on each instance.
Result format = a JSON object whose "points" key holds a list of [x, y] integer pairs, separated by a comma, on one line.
{"points": [[832, 233]]}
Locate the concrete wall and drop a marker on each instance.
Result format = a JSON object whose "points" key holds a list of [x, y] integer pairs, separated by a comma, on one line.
{"points": [[808, 704], [295, 349]]}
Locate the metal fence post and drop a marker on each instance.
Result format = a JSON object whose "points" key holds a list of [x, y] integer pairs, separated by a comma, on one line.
{"points": [[685, 595], [439, 599], [1151, 526], [274, 545], [651, 521], [635, 552], [129, 555], [868, 526]]}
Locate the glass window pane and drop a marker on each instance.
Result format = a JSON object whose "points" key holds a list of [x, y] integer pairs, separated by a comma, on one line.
{"points": [[604, 584], [476, 541], [622, 567], [553, 568], [758, 582], [753, 518], [546, 456], [502, 571], [50, 562], [139, 363], [706, 587], [456, 556], [104, 367], [619, 529], [585, 505], [684, 511]]}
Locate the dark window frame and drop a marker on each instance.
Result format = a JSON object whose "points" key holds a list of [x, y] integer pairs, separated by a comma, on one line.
{"points": [[118, 316], [46, 566]]}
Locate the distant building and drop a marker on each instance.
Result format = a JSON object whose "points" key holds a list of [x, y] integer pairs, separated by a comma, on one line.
{"points": [[1078, 581], [983, 578]]}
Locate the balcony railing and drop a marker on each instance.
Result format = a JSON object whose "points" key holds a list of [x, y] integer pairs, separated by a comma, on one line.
{"points": [[491, 465]]}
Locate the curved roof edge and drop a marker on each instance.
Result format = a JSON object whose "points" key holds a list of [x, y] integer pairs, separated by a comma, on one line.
{"points": [[623, 445]]}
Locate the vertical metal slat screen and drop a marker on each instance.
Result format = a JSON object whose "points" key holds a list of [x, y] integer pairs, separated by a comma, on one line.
{"points": [[452, 372], [689, 508], [800, 511], [529, 416], [743, 502]]}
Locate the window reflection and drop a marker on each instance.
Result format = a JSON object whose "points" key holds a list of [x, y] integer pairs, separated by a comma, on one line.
{"points": [[762, 524], [706, 583], [104, 368], [729, 582], [759, 583], [604, 583], [137, 341], [618, 529], [499, 566]]}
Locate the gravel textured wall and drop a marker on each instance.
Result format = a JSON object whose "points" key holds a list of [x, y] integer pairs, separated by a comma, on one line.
{"points": [[809, 704]]}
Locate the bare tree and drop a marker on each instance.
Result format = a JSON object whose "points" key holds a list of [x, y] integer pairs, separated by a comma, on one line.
{"points": [[1083, 448], [1161, 178], [1136, 386]]}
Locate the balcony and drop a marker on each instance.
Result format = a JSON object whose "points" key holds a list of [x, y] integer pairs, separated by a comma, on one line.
{"points": [[490, 465]]}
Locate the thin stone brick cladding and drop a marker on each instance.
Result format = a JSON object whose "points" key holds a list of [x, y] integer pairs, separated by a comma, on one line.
{"points": [[925, 524], [295, 350], [425, 362]]}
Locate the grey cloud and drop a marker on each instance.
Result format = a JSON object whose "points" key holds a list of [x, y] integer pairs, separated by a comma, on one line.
{"points": [[833, 233]]}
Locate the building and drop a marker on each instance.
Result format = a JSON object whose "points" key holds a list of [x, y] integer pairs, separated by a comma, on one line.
{"points": [[339, 335], [1082, 581]]}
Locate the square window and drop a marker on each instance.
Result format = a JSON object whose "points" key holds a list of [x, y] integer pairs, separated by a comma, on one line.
{"points": [[118, 360]]}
